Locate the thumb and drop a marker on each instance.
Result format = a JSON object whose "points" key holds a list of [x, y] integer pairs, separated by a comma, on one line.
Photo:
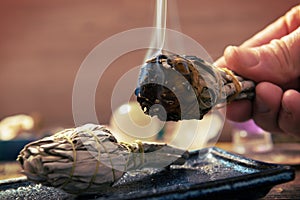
{"points": [[277, 62]]}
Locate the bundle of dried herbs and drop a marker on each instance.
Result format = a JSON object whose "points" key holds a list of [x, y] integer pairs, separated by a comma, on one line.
{"points": [[175, 87], [89, 159]]}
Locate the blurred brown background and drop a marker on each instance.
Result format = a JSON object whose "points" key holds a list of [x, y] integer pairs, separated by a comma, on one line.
{"points": [[43, 43]]}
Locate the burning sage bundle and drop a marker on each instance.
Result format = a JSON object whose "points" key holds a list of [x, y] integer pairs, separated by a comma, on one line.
{"points": [[89, 159], [177, 87]]}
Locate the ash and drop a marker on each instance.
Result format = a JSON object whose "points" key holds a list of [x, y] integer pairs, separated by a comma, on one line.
{"points": [[34, 192]]}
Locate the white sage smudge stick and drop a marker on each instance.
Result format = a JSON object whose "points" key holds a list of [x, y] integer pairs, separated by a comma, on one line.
{"points": [[89, 159], [187, 87]]}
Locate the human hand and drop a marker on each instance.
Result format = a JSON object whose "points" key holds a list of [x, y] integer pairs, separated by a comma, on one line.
{"points": [[272, 59]]}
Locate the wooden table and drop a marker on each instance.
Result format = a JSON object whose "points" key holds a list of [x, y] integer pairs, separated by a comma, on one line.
{"points": [[290, 190]]}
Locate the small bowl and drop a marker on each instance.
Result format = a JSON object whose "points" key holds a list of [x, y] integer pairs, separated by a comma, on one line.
{"points": [[9, 149]]}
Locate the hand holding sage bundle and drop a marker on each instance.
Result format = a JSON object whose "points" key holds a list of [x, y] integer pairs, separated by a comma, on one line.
{"points": [[175, 87], [89, 159]]}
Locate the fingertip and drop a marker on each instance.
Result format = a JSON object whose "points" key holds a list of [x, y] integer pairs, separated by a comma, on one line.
{"points": [[268, 91], [239, 111], [267, 106], [220, 62], [268, 97], [230, 57], [289, 116], [241, 59], [291, 100]]}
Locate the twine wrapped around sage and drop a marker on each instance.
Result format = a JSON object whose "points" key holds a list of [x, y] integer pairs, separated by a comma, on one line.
{"points": [[175, 87], [89, 159]]}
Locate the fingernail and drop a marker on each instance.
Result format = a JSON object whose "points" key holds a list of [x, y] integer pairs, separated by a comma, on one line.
{"points": [[246, 57], [260, 106]]}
